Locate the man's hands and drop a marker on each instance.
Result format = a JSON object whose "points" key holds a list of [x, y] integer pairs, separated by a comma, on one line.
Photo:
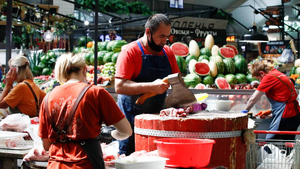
{"points": [[263, 114], [11, 76], [160, 86]]}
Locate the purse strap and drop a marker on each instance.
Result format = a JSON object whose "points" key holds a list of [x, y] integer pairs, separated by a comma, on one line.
{"points": [[68, 116], [35, 98]]}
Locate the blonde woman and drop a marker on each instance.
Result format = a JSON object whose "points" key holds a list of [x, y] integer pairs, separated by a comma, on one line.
{"points": [[72, 114], [282, 96], [26, 96]]}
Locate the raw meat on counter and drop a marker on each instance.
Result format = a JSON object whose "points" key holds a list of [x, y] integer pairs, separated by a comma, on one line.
{"points": [[13, 142], [182, 112], [37, 154]]}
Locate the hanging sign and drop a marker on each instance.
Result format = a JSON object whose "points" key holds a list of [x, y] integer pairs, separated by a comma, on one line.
{"points": [[187, 28], [274, 47], [176, 4]]}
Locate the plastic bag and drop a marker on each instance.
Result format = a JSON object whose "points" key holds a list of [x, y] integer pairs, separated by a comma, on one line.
{"points": [[32, 130], [275, 158], [287, 56], [15, 122]]}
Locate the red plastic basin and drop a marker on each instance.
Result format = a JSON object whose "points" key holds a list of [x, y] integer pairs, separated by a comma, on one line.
{"points": [[185, 152]]}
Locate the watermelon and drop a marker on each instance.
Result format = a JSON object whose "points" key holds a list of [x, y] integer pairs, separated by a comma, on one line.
{"points": [[220, 75], [250, 78], [241, 65], [222, 83], [241, 78], [297, 71], [201, 69], [189, 58], [233, 47], [194, 48], [226, 52], [116, 47], [292, 71], [201, 57], [208, 80], [181, 64], [219, 62], [102, 45], [76, 50], [107, 57], [200, 86], [110, 44], [191, 80], [83, 40], [180, 49], [192, 64], [87, 57], [229, 66], [205, 51], [231, 79], [101, 56], [237, 57], [115, 57]]}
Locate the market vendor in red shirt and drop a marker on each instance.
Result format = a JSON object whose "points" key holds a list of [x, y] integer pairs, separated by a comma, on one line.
{"points": [[282, 96], [140, 68]]}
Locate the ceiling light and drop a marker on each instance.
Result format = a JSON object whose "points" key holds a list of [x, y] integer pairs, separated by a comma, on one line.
{"points": [[48, 36], [86, 23], [253, 35]]}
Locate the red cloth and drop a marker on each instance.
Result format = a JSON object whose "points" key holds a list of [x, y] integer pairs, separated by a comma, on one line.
{"points": [[129, 63], [96, 106], [278, 91]]}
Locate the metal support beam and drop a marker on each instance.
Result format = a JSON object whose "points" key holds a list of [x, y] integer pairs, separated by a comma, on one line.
{"points": [[96, 43], [281, 17], [8, 33]]}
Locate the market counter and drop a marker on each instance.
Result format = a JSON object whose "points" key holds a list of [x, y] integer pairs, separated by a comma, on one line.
{"points": [[11, 159], [224, 127]]}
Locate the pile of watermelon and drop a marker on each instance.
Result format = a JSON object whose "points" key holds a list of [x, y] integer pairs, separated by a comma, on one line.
{"points": [[211, 66], [108, 52]]}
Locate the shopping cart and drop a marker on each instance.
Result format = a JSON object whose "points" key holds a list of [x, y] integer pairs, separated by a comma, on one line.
{"points": [[274, 154]]}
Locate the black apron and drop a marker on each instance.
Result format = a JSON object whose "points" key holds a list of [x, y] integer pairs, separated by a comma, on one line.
{"points": [[91, 146], [153, 67]]}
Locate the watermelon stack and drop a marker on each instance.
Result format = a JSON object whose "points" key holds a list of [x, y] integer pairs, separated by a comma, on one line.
{"points": [[217, 67]]}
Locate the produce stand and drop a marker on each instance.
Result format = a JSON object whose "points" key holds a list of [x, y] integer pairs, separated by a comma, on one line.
{"points": [[16, 156]]}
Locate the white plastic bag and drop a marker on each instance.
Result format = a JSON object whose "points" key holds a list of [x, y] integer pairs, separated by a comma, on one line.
{"points": [[274, 158], [15, 122], [32, 130], [287, 56]]}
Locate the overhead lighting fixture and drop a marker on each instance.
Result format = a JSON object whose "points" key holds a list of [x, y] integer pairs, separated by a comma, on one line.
{"points": [[286, 17], [254, 36], [48, 36], [86, 23]]}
